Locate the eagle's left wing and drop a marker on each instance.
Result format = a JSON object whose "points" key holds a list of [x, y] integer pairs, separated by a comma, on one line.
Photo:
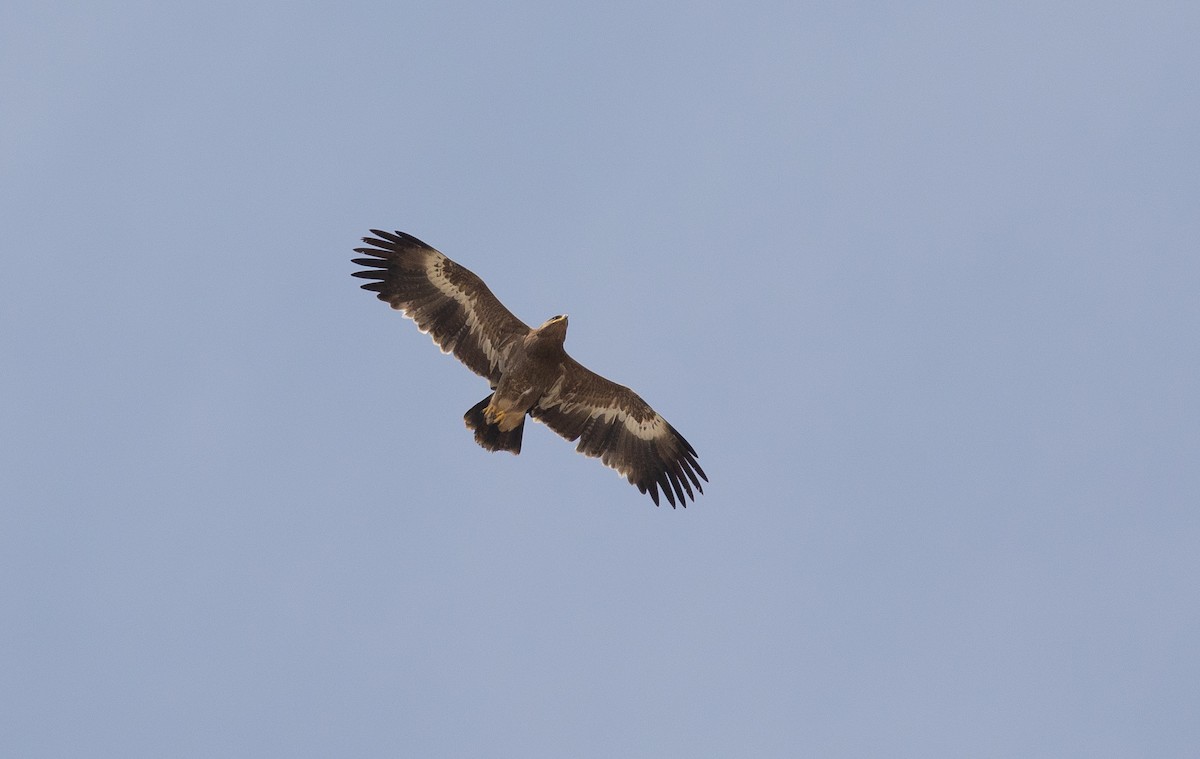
{"points": [[612, 423], [444, 298]]}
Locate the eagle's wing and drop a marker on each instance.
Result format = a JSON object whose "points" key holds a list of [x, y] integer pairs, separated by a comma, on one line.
{"points": [[446, 300], [611, 422]]}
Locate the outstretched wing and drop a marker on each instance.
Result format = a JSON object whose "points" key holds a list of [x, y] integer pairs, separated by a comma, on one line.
{"points": [[446, 300], [611, 422]]}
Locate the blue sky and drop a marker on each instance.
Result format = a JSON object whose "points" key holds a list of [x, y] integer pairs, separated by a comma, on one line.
{"points": [[918, 281]]}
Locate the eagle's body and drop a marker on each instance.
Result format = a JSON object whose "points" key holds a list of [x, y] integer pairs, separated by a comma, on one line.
{"points": [[528, 369]]}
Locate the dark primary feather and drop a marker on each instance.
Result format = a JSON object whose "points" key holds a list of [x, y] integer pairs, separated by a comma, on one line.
{"points": [[603, 417], [445, 299]]}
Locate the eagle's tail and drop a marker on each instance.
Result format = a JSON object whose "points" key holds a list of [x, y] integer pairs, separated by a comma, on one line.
{"points": [[489, 435]]}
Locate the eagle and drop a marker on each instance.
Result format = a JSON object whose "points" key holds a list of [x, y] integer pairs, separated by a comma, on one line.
{"points": [[528, 370]]}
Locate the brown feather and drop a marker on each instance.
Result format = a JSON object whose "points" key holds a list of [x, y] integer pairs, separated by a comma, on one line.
{"points": [[613, 423], [445, 299]]}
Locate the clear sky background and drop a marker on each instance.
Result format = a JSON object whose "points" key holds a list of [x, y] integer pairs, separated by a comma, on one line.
{"points": [[920, 282]]}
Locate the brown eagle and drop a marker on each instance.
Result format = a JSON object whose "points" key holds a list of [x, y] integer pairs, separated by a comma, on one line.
{"points": [[529, 371]]}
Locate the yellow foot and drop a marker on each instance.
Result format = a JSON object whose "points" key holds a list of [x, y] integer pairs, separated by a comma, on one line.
{"points": [[493, 415]]}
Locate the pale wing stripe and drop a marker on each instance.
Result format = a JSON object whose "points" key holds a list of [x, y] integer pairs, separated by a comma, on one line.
{"points": [[650, 429], [437, 277]]}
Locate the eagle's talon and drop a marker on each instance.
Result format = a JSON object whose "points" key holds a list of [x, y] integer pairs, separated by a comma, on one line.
{"points": [[493, 415]]}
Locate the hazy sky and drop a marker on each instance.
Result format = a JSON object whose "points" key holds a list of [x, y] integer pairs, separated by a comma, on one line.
{"points": [[919, 281]]}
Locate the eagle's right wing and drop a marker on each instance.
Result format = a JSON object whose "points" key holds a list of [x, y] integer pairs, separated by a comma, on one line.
{"points": [[613, 423], [445, 300]]}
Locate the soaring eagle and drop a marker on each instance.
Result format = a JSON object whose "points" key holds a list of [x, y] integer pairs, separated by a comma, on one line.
{"points": [[529, 371]]}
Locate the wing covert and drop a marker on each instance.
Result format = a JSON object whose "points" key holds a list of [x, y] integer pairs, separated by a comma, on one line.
{"points": [[612, 423], [445, 299]]}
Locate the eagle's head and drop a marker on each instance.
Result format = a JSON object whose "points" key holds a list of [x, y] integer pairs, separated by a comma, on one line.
{"points": [[552, 332]]}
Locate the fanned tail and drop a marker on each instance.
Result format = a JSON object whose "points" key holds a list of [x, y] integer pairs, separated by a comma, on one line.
{"points": [[490, 436]]}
